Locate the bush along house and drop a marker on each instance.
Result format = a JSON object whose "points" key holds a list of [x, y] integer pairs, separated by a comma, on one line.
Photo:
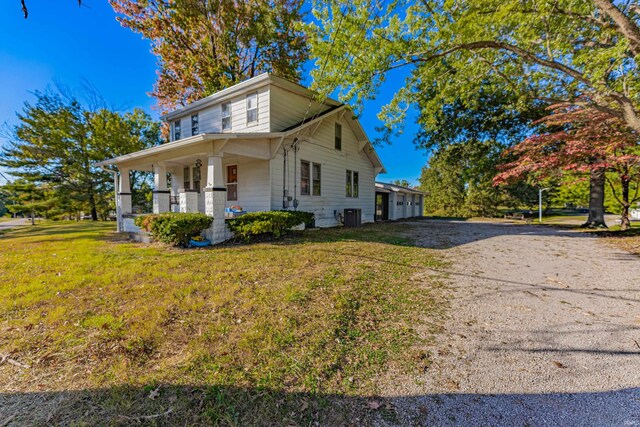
{"points": [[263, 144]]}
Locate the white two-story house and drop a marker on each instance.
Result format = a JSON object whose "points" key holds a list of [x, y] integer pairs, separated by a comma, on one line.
{"points": [[263, 144]]}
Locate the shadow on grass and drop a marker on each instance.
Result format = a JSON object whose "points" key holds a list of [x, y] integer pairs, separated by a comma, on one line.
{"points": [[173, 405], [63, 230]]}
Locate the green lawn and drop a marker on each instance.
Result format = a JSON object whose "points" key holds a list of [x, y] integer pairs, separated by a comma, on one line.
{"points": [[285, 333]]}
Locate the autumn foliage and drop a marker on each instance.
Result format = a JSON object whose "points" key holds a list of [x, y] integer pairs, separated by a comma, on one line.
{"points": [[204, 46], [578, 139]]}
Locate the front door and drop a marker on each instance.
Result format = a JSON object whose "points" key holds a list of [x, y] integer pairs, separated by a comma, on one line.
{"points": [[232, 183], [382, 206]]}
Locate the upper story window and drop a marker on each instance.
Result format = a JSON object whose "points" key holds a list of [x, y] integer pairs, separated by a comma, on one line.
{"points": [[195, 128], [252, 108], [338, 139], [352, 184], [226, 116], [176, 130]]}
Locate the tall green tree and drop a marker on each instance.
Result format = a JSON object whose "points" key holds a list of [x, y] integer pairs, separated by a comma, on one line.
{"points": [[26, 199], [554, 51], [204, 46], [458, 180], [57, 143]]}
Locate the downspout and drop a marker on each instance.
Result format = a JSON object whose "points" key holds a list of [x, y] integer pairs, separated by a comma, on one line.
{"points": [[115, 187], [285, 204], [295, 174]]}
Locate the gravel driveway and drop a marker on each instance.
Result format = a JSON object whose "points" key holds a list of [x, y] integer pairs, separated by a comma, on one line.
{"points": [[544, 330]]}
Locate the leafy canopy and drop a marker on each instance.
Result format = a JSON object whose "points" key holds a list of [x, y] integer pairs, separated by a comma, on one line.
{"points": [[205, 46], [553, 51]]}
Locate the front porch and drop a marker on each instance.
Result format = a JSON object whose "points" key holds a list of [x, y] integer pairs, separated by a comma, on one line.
{"points": [[209, 175]]}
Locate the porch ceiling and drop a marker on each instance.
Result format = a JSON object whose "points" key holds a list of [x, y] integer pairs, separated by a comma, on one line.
{"points": [[186, 151]]}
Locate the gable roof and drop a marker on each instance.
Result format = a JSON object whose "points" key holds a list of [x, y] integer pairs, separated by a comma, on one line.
{"points": [[244, 87], [388, 188]]}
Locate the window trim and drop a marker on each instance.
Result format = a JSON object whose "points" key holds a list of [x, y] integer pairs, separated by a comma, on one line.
{"points": [[337, 139], [353, 184], [177, 129], [227, 182], [197, 124], [252, 122], [186, 178], [308, 178], [228, 116], [313, 179], [313, 183]]}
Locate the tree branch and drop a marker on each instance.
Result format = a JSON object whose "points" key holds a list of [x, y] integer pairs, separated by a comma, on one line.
{"points": [[623, 23]]}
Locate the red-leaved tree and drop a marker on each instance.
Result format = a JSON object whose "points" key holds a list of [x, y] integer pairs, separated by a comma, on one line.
{"points": [[582, 140]]}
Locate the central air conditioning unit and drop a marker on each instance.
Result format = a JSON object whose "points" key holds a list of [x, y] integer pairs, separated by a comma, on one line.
{"points": [[352, 217]]}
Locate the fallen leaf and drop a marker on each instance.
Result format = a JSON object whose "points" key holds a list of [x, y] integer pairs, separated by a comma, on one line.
{"points": [[304, 405], [154, 393], [558, 364], [374, 404]]}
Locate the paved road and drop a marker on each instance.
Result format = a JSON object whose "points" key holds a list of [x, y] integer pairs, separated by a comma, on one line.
{"points": [[544, 330], [13, 223]]}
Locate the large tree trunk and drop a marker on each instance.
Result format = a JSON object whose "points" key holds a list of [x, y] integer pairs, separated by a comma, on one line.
{"points": [[596, 199], [92, 204], [625, 223]]}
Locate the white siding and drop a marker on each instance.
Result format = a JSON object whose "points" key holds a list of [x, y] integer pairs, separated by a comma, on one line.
{"points": [[253, 184], [210, 118], [288, 108], [334, 164]]}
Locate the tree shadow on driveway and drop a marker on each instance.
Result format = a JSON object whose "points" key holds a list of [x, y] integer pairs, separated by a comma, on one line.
{"points": [[173, 405]]}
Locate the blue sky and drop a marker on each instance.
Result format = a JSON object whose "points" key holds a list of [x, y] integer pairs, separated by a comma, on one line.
{"points": [[69, 44]]}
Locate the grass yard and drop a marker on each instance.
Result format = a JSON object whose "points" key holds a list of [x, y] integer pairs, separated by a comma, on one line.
{"points": [[95, 330]]}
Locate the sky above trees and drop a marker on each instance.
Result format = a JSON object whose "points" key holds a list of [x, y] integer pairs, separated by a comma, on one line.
{"points": [[63, 42]]}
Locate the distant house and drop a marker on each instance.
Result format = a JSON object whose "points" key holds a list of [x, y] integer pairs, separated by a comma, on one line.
{"points": [[263, 144]]}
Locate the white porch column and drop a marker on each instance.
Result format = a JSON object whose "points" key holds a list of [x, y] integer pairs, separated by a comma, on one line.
{"points": [[160, 191], [175, 191], [124, 192], [215, 194]]}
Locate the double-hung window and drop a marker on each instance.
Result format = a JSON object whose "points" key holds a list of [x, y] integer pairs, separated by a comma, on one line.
{"points": [[252, 108], [305, 178], [176, 130], [315, 187], [186, 174], [338, 136], [195, 128], [226, 116], [352, 188], [310, 178]]}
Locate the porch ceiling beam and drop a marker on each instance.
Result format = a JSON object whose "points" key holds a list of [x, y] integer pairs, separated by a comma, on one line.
{"points": [[362, 144], [315, 127], [223, 143], [274, 151]]}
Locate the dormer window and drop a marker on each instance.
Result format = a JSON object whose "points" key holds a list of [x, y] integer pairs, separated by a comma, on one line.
{"points": [[176, 130], [226, 115], [252, 108], [194, 125]]}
